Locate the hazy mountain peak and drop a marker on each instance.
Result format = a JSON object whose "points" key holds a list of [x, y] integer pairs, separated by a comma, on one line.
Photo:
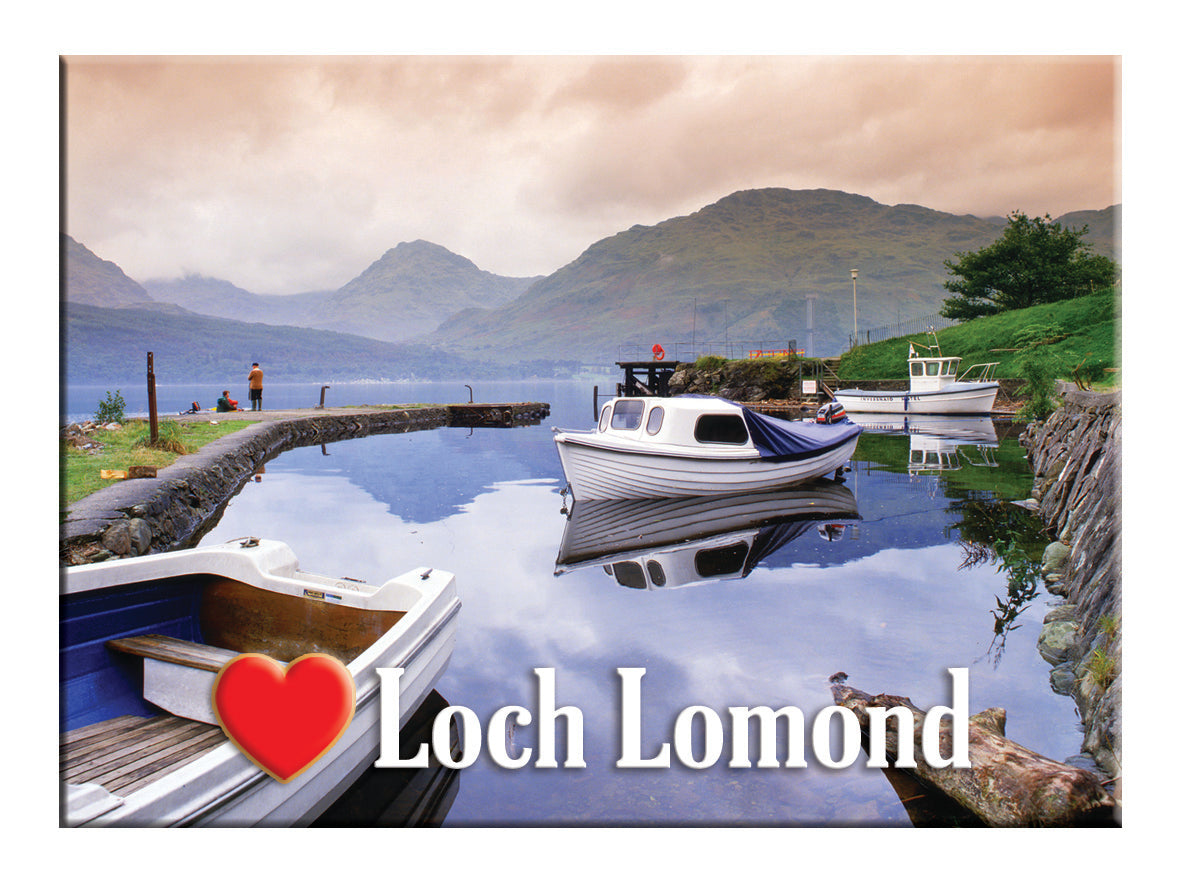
{"points": [[92, 280]]}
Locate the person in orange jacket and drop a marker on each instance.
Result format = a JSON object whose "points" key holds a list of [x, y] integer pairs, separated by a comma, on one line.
{"points": [[255, 387]]}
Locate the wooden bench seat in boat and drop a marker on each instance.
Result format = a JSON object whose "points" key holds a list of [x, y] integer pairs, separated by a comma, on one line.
{"points": [[174, 650], [178, 675]]}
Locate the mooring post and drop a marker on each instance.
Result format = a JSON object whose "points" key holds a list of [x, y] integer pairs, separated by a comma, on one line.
{"points": [[471, 389], [152, 402], [322, 403]]}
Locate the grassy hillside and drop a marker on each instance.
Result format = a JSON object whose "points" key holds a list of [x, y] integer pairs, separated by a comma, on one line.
{"points": [[1083, 332]]}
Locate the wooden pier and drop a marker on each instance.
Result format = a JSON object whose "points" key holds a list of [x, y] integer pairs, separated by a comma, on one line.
{"points": [[646, 378]]}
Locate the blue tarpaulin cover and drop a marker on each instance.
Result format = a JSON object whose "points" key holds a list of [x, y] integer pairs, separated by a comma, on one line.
{"points": [[779, 440]]}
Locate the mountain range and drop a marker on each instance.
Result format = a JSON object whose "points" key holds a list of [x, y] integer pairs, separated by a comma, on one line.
{"points": [[760, 266]]}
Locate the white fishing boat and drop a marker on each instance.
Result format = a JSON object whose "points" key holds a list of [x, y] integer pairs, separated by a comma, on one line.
{"points": [[142, 640], [671, 447], [935, 388]]}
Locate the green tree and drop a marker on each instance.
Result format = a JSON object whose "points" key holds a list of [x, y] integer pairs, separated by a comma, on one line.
{"points": [[1036, 261]]}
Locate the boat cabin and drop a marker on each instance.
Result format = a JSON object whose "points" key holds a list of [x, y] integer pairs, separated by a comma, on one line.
{"points": [[688, 421], [686, 565], [932, 373]]}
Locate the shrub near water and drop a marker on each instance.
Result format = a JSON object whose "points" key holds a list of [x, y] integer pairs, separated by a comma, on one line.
{"points": [[111, 408], [1038, 368]]}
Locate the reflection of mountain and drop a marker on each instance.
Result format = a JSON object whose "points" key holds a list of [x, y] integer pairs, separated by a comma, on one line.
{"points": [[425, 476], [402, 797], [665, 543]]}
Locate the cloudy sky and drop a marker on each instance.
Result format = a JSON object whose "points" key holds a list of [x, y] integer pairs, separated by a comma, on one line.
{"points": [[287, 174]]}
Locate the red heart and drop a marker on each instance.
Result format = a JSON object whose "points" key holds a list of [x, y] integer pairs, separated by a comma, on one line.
{"points": [[284, 720]]}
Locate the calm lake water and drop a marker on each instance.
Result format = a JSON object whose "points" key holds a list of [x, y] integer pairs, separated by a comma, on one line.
{"points": [[894, 585]]}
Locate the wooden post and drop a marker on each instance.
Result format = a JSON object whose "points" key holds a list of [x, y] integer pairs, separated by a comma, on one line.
{"points": [[324, 388], [152, 402]]}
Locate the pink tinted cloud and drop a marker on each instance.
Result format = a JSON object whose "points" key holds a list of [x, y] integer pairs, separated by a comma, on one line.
{"points": [[289, 174]]}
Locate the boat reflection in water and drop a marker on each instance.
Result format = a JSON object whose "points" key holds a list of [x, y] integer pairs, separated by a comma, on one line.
{"points": [[667, 543], [403, 797], [939, 444]]}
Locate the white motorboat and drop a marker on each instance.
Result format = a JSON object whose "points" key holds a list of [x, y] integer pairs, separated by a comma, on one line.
{"points": [[671, 447], [935, 388], [142, 640]]}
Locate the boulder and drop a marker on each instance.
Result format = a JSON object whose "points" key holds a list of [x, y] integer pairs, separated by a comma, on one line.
{"points": [[1057, 640]]}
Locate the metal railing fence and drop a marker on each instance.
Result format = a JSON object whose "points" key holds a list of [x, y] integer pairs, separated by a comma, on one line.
{"points": [[900, 329]]}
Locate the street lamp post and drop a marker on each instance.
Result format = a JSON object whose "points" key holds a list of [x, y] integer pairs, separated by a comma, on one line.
{"points": [[853, 273]]}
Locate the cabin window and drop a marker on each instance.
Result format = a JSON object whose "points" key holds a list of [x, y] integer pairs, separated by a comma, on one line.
{"points": [[656, 572], [629, 575], [916, 368], [933, 368], [721, 429], [655, 420], [723, 561], [604, 420], [628, 414]]}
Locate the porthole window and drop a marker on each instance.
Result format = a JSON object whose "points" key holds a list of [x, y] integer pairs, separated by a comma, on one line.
{"points": [[655, 420], [629, 575], [628, 415], [721, 429], [656, 572], [604, 421], [724, 561]]}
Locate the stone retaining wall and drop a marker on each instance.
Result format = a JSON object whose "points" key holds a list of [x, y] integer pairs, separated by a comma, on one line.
{"points": [[185, 500], [1076, 456]]}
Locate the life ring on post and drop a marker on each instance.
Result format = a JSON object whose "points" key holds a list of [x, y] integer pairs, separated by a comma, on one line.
{"points": [[657, 351]]}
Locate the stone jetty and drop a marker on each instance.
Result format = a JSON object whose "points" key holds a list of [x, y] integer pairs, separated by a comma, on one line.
{"points": [[1076, 456], [183, 501]]}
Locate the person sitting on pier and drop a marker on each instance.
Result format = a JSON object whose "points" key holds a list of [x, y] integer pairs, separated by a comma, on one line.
{"points": [[226, 404]]}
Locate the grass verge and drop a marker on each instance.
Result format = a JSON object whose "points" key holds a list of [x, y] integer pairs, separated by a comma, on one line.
{"points": [[128, 446], [1080, 336]]}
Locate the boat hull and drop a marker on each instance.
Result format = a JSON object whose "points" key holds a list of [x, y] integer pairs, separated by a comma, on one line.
{"points": [[596, 470], [957, 399], [223, 787]]}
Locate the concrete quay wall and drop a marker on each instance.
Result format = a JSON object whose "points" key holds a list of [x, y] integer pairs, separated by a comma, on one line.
{"points": [[187, 498]]}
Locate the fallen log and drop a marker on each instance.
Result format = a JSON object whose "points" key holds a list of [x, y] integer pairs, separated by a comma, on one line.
{"points": [[1007, 784]]}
